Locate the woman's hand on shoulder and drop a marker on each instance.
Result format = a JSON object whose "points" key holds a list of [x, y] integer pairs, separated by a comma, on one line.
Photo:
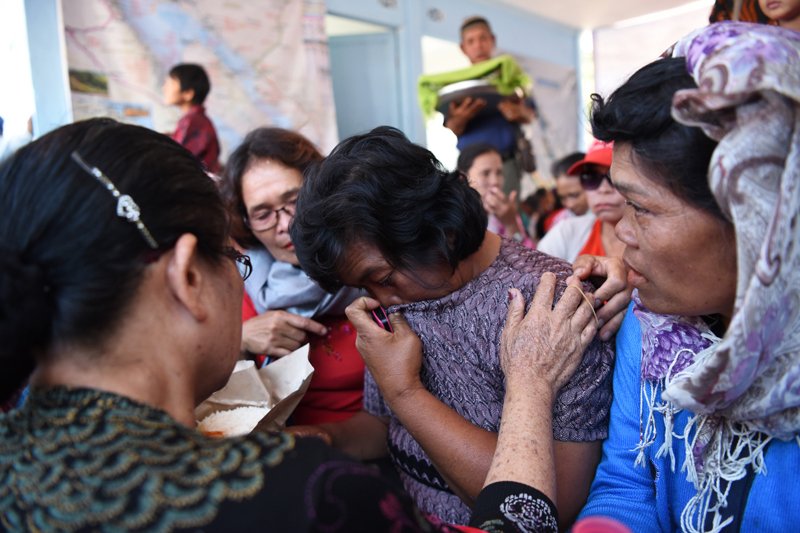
{"points": [[613, 293], [394, 358], [545, 344]]}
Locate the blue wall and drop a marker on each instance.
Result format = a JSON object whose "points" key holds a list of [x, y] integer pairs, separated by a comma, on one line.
{"points": [[517, 32]]}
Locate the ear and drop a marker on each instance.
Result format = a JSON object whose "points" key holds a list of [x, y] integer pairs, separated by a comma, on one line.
{"points": [[461, 45], [188, 96], [185, 279]]}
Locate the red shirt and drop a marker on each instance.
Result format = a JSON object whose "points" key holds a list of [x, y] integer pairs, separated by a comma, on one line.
{"points": [[197, 134], [594, 244]]}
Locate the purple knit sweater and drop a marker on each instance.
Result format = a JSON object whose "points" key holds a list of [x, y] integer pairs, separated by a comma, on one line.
{"points": [[460, 334]]}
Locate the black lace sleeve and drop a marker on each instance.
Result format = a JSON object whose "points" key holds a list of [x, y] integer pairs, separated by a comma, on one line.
{"points": [[508, 506]]}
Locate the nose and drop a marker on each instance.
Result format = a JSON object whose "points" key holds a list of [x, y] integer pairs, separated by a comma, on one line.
{"points": [[606, 187], [385, 296], [624, 230], [284, 220]]}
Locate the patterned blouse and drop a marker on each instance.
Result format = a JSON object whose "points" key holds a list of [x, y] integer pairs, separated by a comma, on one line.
{"points": [[86, 460], [460, 335]]}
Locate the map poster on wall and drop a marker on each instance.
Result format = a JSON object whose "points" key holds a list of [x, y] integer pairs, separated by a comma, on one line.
{"points": [[268, 63]]}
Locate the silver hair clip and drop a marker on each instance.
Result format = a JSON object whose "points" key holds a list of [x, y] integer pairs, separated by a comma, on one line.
{"points": [[126, 207]]}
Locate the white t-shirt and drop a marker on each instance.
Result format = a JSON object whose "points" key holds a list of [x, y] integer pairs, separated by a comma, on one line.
{"points": [[567, 238]]}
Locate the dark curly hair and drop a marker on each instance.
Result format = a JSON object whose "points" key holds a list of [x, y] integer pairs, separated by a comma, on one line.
{"points": [[639, 113], [381, 189]]}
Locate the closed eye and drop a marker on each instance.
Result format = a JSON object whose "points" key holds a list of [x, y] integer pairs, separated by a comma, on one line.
{"points": [[636, 208], [387, 281]]}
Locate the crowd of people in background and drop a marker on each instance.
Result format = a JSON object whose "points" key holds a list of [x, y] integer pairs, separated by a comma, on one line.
{"points": [[620, 349]]}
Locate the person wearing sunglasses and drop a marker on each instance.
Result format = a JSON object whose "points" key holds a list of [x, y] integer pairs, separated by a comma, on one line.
{"points": [[120, 304], [591, 234], [283, 308]]}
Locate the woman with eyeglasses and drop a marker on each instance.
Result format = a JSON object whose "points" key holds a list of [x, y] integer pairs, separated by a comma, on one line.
{"points": [[284, 309], [120, 304], [592, 233]]}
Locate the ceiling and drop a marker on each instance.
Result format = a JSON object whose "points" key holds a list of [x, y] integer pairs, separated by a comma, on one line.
{"points": [[589, 14]]}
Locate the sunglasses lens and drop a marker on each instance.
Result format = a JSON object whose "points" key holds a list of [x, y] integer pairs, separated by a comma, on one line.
{"points": [[592, 180]]}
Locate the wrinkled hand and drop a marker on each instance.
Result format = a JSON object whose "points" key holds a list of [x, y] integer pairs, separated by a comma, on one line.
{"points": [[611, 277], [316, 432], [516, 110], [545, 345], [460, 113], [394, 359], [278, 333]]}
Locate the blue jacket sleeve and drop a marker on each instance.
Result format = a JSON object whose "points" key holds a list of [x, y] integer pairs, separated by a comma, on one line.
{"points": [[621, 490]]}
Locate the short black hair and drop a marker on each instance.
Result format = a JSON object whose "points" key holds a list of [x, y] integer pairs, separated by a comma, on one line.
{"points": [[381, 189], [470, 153], [560, 166], [474, 21], [287, 147], [69, 265], [192, 77], [639, 113]]}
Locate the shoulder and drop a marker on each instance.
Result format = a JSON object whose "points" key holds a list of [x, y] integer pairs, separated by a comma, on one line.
{"points": [[527, 261]]}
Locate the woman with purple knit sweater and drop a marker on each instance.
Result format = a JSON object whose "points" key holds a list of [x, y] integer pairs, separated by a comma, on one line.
{"points": [[381, 213]]}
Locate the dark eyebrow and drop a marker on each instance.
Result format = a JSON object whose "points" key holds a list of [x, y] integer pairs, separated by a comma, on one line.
{"points": [[291, 192], [626, 188]]}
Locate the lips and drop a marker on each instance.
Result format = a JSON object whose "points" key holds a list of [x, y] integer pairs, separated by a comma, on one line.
{"points": [[635, 277]]}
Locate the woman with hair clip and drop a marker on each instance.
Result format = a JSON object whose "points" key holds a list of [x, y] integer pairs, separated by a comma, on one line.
{"points": [[706, 414], [120, 305]]}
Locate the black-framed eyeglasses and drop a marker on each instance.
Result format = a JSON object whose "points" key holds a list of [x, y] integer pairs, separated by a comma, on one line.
{"points": [[268, 219], [242, 261], [592, 180]]}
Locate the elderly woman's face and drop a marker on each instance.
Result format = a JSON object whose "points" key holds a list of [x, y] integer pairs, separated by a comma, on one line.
{"points": [[681, 259], [366, 268], [269, 192]]}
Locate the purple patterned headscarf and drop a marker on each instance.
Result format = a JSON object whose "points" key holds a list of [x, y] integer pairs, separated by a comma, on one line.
{"points": [[743, 389], [749, 100]]}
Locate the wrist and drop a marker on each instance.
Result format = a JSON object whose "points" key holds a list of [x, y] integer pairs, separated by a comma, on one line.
{"points": [[533, 387], [396, 396]]}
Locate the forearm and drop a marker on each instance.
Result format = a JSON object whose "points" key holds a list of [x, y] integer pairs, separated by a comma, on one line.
{"points": [[362, 436], [460, 451], [524, 451]]}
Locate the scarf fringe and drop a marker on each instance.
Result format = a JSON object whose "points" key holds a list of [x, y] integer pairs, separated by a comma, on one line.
{"points": [[716, 450]]}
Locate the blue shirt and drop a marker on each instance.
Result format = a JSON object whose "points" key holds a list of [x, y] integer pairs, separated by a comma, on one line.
{"points": [[652, 497], [490, 126]]}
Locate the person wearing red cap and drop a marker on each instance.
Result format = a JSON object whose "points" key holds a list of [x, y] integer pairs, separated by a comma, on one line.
{"points": [[592, 233]]}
